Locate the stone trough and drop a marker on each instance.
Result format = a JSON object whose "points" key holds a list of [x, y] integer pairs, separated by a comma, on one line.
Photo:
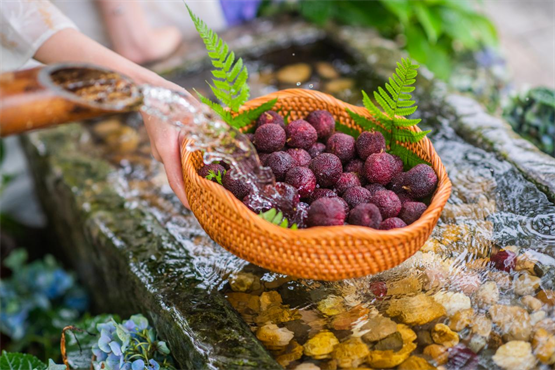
{"points": [[138, 250]]}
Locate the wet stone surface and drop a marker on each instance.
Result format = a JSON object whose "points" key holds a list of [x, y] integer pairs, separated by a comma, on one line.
{"points": [[482, 286]]}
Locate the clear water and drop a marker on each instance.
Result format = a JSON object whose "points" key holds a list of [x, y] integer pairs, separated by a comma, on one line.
{"points": [[217, 140], [492, 206]]}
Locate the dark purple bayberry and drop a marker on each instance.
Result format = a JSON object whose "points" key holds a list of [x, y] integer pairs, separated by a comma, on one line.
{"points": [[504, 260], [345, 205], [300, 156], [269, 138], [346, 181], [322, 193], [317, 149], [279, 163], [238, 187], [374, 188], [420, 181], [356, 195], [411, 211], [370, 143], [300, 134], [387, 202], [256, 204], [302, 179], [396, 184], [365, 215], [289, 195], [205, 170], [270, 117], [323, 122], [462, 358], [342, 145], [327, 169], [263, 157], [404, 197], [378, 288], [392, 223], [398, 163], [380, 168], [299, 215], [355, 166], [326, 212]]}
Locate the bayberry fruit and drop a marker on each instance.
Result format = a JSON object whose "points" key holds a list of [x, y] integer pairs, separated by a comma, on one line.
{"points": [[420, 181], [316, 149], [370, 143], [270, 117], [269, 138], [326, 212], [300, 156], [323, 122], [387, 202], [365, 215], [411, 211], [356, 195], [238, 187], [279, 163], [327, 169], [342, 145], [392, 223], [380, 168], [346, 181], [300, 134], [302, 179]]}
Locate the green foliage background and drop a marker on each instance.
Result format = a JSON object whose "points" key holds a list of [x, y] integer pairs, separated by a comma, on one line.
{"points": [[432, 31]]}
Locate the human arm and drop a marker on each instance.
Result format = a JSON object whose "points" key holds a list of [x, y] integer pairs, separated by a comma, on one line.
{"points": [[69, 45]]}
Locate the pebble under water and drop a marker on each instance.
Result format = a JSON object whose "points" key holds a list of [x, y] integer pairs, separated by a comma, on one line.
{"points": [[482, 285]]}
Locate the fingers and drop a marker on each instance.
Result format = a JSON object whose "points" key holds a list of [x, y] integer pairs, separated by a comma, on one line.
{"points": [[165, 146]]}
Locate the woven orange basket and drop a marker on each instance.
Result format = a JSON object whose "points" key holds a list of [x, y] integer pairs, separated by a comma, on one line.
{"points": [[322, 253]]}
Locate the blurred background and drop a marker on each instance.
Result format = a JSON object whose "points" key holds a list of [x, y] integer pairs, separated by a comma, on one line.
{"points": [[500, 52]]}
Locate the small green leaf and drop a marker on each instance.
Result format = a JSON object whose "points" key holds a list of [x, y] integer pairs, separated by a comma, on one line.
{"points": [[54, 366], [20, 361], [16, 259], [162, 348], [430, 21], [276, 218]]}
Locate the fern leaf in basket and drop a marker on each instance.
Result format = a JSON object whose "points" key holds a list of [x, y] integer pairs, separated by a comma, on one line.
{"points": [[396, 104], [277, 218], [229, 83]]}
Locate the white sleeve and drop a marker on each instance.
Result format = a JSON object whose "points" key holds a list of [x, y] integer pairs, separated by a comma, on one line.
{"points": [[24, 26]]}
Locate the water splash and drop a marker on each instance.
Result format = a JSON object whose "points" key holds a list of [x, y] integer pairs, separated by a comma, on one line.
{"points": [[217, 140]]}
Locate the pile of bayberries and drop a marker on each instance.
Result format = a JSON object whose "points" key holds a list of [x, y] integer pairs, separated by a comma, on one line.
{"points": [[332, 179]]}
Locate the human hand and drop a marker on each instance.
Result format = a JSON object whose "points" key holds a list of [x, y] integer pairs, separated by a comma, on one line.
{"points": [[165, 143]]}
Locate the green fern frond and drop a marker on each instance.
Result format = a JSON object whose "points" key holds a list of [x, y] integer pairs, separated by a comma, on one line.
{"points": [[366, 124], [230, 75], [406, 136], [277, 218], [409, 158], [396, 103], [246, 117]]}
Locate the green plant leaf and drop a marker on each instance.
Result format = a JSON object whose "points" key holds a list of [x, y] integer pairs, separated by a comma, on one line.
{"points": [[277, 218], [409, 158], [20, 361], [247, 117], [339, 127], [401, 8], [430, 21], [317, 12], [397, 103], [54, 366], [230, 75]]}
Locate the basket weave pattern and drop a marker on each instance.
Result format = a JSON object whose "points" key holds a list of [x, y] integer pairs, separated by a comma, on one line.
{"points": [[322, 253]]}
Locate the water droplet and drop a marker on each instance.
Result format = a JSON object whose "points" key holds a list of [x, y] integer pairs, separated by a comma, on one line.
{"points": [[293, 54], [298, 84], [310, 86]]}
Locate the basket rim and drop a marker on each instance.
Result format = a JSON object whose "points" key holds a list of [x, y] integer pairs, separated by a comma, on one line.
{"points": [[439, 198]]}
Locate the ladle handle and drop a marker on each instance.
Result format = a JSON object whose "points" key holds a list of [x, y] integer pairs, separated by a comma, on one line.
{"points": [[27, 103]]}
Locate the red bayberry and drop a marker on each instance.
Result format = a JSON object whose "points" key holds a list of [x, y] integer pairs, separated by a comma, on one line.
{"points": [[378, 288], [317, 149], [326, 212], [269, 138], [270, 117], [365, 215], [342, 145], [280, 163], [323, 122], [300, 134], [504, 260], [300, 156], [370, 143], [302, 179], [327, 169], [346, 181]]}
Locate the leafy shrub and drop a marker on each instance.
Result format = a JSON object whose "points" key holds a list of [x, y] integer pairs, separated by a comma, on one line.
{"points": [[532, 114], [432, 30], [37, 301]]}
